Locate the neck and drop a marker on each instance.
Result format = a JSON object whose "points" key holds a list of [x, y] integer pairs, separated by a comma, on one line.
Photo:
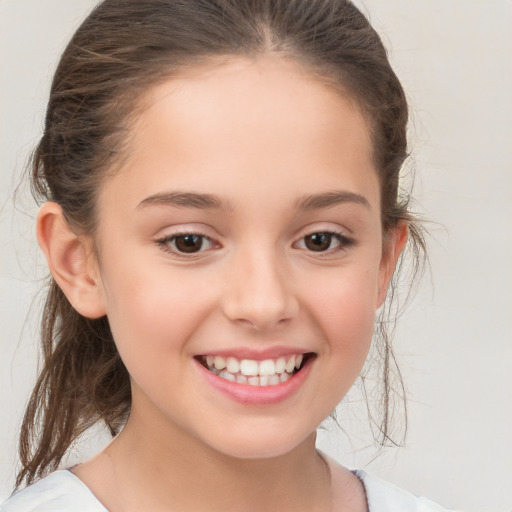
{"points": [[168, 469]]}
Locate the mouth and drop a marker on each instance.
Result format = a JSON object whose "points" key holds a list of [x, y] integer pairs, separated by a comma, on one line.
{"points": [[251, 372]]}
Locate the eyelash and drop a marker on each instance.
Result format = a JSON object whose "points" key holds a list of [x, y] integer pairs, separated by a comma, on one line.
{"points": [[165, 244], [344, 243]]}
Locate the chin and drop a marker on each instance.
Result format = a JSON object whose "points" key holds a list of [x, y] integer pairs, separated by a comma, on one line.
{"points": [[261, 445]]}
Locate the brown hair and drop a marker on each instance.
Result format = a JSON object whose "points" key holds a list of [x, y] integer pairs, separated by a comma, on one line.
{"points": [[123, 48]]}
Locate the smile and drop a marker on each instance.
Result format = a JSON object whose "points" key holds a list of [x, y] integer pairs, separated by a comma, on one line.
{"points": [[268, 372]]}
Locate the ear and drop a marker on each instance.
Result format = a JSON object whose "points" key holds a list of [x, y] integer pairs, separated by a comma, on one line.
{"points": [[71, 261], [394, 243]]}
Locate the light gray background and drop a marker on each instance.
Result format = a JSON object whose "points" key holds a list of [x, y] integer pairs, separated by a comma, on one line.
{"points": [[454, 343]]}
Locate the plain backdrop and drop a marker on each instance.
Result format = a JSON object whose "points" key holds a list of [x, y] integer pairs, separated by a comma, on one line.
{"points": [[455, 341]]}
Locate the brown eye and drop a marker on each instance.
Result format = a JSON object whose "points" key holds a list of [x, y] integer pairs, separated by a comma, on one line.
{"points": [[318, 241], [189, 243], [186, 245], [328, 242]]}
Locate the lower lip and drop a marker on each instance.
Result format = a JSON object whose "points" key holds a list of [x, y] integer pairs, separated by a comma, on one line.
{"points": [[258, 395]]}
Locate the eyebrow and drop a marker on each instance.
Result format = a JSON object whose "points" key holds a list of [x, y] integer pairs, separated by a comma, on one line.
{"points": [[188, 200], [328, 199], [208, 201]]}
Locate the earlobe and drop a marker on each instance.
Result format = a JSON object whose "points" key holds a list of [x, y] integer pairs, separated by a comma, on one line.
{"points": [[71, 262], [395, 242]]}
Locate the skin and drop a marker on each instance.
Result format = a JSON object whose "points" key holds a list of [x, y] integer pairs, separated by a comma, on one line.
{"points": [[259, 135]]}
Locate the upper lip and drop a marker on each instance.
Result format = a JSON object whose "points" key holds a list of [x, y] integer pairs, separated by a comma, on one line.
{"points": [[259, 354]]}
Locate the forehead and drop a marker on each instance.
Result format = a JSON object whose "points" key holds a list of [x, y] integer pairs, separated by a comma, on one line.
{"points": [[263, 124]]}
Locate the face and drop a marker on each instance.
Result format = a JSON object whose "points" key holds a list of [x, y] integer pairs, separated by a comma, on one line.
{"points": [[240, 255]]}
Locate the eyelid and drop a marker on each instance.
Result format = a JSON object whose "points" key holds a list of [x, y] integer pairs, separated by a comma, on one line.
{"points": [[345, 241], [164, 242]]}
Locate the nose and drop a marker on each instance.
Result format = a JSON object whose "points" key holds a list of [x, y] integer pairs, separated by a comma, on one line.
{"points": [[259, 293]]}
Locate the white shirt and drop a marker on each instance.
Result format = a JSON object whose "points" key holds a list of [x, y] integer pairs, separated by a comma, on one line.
{"points": [[62, 491]]}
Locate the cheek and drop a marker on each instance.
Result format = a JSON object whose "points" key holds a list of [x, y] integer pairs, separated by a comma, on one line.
{"points": [[151, 317], [345, 310]]}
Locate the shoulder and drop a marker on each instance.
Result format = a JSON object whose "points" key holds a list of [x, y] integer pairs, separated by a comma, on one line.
{"points": [[59, 492], [381, 496], [385, 497]]}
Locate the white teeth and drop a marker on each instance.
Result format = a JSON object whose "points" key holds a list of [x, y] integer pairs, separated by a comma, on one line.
{"points": [[232, 365], [249, 367], [267, 367], [264, 380], [284, 377], [219, 362], [241, 379], [290, 365], [268, 372], [228, 376], [280, 365], [273, 380]]}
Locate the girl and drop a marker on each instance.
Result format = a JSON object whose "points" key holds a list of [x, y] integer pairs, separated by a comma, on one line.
{"points": [[222, 221]]}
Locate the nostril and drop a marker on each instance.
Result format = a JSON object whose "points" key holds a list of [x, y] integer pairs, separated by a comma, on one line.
{"points": [[263, 324]]}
